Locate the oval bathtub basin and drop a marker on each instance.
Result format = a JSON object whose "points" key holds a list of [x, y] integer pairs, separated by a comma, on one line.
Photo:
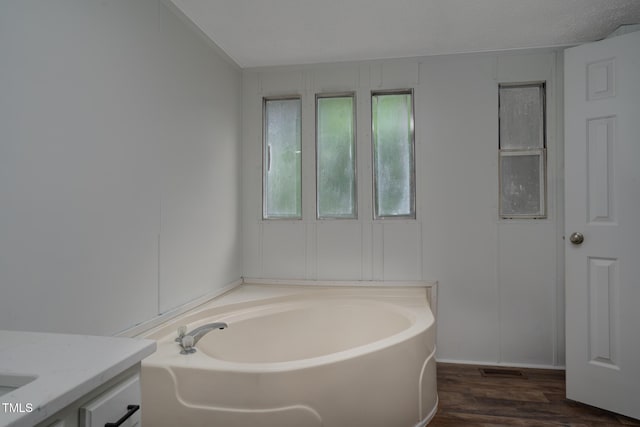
{"points": [[303, 330], [309, 359]]}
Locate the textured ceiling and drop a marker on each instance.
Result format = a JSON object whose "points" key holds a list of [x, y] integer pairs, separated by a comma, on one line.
{"points": [[257, 33]]}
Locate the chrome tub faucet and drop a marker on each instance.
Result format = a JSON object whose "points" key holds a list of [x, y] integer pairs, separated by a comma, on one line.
{"points": [[188, 340]]}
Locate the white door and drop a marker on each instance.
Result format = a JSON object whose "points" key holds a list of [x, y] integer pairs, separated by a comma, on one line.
{"points": [[602, 196]]}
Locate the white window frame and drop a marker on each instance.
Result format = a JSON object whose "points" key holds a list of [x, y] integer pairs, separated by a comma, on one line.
{"points": [[266, 159], [412, 179], [541, 152], [351, 95]]}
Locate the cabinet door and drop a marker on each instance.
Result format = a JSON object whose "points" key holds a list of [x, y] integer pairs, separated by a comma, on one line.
{"points": [[113, 405]]}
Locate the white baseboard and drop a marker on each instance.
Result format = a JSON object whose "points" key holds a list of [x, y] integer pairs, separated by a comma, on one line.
{"points": [[501, 364]]}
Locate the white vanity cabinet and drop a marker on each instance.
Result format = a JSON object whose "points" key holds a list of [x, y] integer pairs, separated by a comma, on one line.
{"points": [[116, 402], [117, 407], [73, 380]]}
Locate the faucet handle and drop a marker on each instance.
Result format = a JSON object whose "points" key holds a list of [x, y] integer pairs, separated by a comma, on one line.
{"points": [[187, 342], [182, 331]]}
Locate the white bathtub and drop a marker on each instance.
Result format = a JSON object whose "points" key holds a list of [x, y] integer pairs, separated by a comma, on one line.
{"points": [[298, 356]]}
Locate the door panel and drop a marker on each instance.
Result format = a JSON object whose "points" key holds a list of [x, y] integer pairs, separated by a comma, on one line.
{"points": [[602, 202]]}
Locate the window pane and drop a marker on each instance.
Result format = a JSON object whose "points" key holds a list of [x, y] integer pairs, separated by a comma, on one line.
{"points": [[521, 185], [521, 117], [282, 159], [336, 157], [392, 122]]}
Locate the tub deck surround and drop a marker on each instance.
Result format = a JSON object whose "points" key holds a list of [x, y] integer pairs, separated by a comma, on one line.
{"points": [[65, 367], [298, 356]]}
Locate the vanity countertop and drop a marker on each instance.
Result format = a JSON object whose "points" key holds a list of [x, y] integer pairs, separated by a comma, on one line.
{"points": [[65, 368]]}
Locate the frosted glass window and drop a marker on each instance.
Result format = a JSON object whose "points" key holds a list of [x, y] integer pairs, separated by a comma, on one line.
{"points": [[335, 156], [521, 117], [282, 179], [393, 154], [522, 148], [521, 184]]}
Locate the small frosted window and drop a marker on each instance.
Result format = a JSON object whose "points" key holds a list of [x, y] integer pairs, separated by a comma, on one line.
{"points": [[520, 185], [521, 117], [522, 149], [393, 162], [336, 157], [282, 196]]}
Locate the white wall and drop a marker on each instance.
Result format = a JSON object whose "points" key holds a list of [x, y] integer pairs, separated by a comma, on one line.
{"points": [[119, 164], [120, 193], [499, 281]]}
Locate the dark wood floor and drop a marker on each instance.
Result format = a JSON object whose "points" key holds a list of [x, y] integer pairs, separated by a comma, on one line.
{"points": [[467, 398]]}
